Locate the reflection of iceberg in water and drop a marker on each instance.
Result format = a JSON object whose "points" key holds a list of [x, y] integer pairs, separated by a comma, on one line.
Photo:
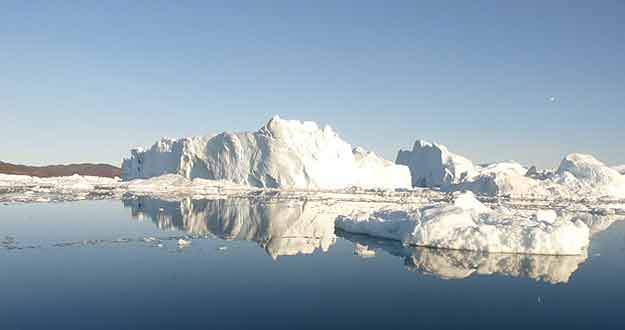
{"points": [[455, 264], [282, 228], [289, 227], [596, 222]]}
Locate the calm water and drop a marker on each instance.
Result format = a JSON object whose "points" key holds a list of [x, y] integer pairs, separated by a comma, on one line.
{"points": [[118, 265]]}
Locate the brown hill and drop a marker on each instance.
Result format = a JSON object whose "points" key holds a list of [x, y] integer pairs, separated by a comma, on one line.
{"points": [[104, 170]]}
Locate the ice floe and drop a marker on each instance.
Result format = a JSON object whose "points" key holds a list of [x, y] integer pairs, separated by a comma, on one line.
{"points": [[467, 224], [22, 188]]}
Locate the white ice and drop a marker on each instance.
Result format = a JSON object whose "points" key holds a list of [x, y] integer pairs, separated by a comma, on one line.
{"points": [[432, 165], [578, 176], [282, 154], [467, 224]]}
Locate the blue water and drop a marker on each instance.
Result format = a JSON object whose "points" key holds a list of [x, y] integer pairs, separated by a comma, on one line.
{"points": [[110, 277]]}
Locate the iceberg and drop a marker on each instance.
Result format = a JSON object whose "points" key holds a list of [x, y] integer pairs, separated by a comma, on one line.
{"points": [[24, 188], [585, 175], [578, 176], [432, 165], [467, 224], [286, 154]]}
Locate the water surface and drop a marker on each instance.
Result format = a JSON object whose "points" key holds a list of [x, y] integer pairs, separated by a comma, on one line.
{"points": [[272, 265]]}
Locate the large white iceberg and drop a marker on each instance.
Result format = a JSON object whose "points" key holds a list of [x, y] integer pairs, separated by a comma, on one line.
{"points": [[282, 154], [578, 176], [467, 224]]}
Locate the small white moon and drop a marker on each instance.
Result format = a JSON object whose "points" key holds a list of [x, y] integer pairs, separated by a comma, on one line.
{"points": [[552, 99]]}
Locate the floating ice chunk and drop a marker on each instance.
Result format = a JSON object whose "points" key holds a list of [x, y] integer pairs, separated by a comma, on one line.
{"points": [[469, 226], [183, 243], [363, 251]]}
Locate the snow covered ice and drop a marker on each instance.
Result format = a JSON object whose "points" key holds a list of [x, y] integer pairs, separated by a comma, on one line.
{"points": [[22, 188], [467, 224], [282, 154]]}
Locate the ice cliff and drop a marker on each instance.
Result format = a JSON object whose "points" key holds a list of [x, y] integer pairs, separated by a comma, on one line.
{"points": [[432, 165], [282, 154]]}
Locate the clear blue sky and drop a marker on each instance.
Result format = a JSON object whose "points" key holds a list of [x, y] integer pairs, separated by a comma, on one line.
{"points": [[88, 80]]}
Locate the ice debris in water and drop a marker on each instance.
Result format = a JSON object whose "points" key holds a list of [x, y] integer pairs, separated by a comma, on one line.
{"points": [[183, 243], [363, 251], [150, 239]]}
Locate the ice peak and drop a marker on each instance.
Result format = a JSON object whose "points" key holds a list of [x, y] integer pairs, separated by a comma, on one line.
{"points": [[279, 127]]}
